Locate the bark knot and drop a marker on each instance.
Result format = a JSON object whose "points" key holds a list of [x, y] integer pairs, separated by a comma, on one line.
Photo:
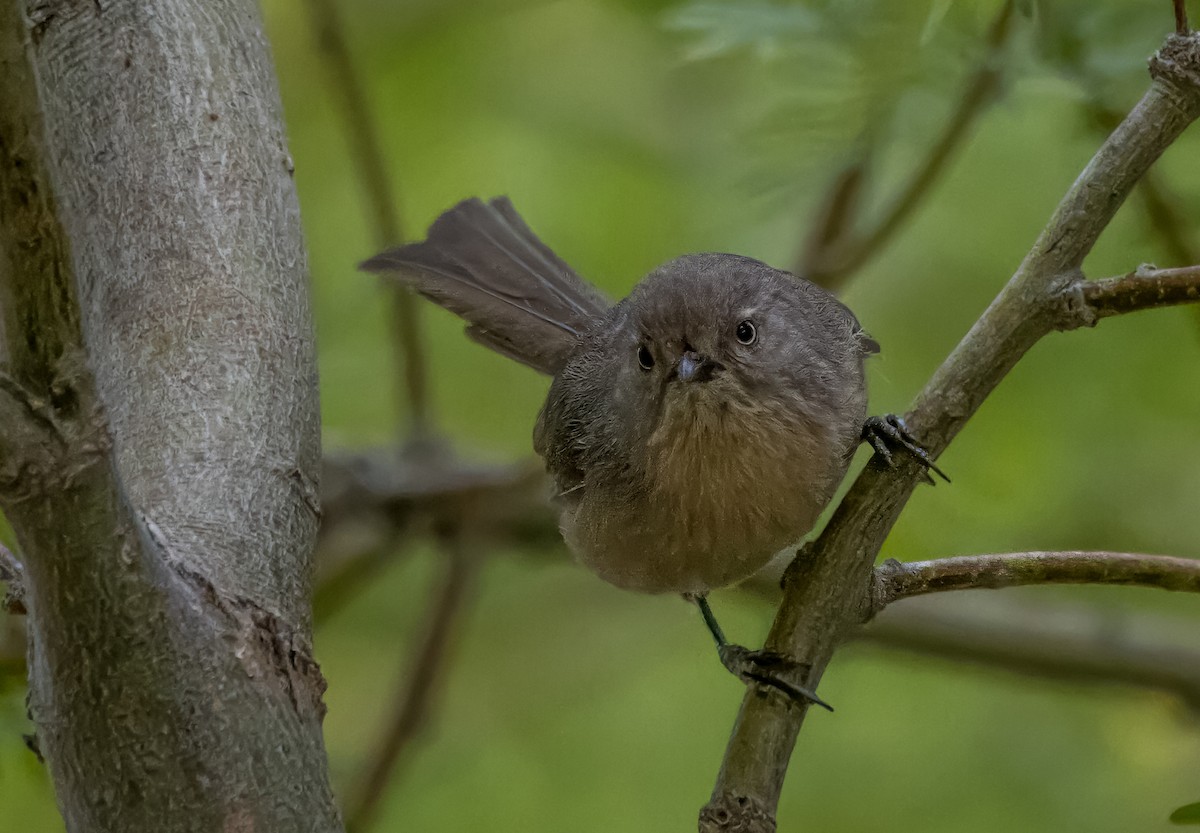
{"points": [[1178, 62], [731, 813], [268, 647]]}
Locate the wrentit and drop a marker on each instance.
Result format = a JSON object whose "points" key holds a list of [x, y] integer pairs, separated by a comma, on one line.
{"points": [[694, 429]]}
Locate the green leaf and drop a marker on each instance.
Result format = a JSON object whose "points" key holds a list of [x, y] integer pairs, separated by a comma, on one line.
{"points": [[1187, 814], [722, 28]]}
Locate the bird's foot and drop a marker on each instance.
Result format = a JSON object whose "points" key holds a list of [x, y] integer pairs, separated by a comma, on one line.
{"points": [[769, 669], [883, 432]]}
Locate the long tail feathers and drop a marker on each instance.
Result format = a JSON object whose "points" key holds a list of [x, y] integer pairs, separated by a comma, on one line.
{"points": [[483, 263]]}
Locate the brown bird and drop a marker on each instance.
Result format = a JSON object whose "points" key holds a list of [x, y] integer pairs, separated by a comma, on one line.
{"points": [[694, 429]]}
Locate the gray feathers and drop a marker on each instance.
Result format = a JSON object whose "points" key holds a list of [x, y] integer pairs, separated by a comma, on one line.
{"points": [[483, 263], [669, 481]]}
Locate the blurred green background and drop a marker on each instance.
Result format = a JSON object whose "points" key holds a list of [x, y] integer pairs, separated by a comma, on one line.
{"points": [[628, 132]]}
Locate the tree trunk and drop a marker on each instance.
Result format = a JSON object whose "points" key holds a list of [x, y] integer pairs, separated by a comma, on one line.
{"points": [[159, 416]]}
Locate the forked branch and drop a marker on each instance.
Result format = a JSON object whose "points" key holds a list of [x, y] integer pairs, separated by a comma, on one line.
{"points": [[824, 585]]}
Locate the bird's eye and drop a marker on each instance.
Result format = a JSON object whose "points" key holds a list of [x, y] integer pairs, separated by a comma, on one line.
{"points": [[645, 357], [746, 333]]}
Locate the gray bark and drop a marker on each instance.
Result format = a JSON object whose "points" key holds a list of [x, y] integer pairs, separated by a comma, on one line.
{"points": [[160, 418]]}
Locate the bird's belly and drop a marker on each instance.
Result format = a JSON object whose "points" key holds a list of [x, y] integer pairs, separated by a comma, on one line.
{"points": [[686, 546], [721, 491]]}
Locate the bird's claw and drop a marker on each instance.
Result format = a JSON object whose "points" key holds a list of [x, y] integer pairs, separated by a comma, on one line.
{"points": [[769, 669], [889, 429]]}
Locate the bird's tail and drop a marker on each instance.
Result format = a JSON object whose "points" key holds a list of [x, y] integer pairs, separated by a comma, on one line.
{"points": [[480, 261]]}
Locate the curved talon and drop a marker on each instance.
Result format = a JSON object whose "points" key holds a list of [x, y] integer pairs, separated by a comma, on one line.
{"points": [[766, 668], [879, 431]]}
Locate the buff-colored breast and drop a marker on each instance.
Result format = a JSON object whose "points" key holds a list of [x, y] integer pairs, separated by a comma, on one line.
{"points": [[728, 485]]}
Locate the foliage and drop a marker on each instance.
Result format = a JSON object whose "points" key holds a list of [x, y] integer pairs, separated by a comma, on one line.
{"points": [[628, 133]]}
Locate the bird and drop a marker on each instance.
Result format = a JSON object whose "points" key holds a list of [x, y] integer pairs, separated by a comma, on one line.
{"points": [[692, 430]]}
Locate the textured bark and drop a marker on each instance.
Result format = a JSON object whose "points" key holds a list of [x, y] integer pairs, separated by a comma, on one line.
{"points": [[161, 435]]}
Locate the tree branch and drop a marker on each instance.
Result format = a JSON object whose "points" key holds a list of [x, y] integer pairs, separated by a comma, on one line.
{"points": [[370, 164], [894, 580], [1078, 645], [426, 664], [1145, 288], [824, 585], [1163, 212], [835, 250], [157, 332], [1051, 642], [374, 498]]}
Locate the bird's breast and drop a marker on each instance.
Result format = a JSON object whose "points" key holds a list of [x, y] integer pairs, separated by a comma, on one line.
{"points": [[725, 485]]}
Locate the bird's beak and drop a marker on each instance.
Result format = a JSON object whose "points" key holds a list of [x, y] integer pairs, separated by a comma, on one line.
{"points": [[692, 367]]}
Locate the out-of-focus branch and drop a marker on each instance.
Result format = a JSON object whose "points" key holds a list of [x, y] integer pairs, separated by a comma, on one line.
{"points": [[347, 91], [824, 585], [1053, 642], [1181, 18], [426, 663], [354, 542], [1164, 217], [895, 580], [373, 499], [835, 250]]}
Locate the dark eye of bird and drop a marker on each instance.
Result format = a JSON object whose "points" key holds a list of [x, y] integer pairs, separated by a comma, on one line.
{"points": [[746, 333], [645, 357]]}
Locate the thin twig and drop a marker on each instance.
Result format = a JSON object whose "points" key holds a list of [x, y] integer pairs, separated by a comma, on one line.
{"points": [[1057, 643], [894, 580], [369, 160], [831, 256], [340, 580], [824, 585], [1181, 18], [1146, 288], [833, 222], [426, 666]]}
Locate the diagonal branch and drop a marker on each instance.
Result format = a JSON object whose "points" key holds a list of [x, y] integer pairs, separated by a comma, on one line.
{"points": [[426, 669], [835, 250], [824, 585], [1163, 215], [894, 580], [1161, 206], [370, 165]]}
